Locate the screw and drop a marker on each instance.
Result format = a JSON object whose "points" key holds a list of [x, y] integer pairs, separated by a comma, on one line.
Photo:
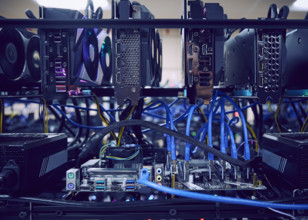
{"points": [[172, 212], [23, 214], [59, 213]]}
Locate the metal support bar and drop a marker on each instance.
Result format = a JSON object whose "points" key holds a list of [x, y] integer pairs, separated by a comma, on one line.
{"points": [[149, 92], [155, 23]]}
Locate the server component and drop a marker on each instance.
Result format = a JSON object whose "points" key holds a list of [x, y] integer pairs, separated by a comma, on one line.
{"points": [[29, 162], [95, 178], [271, 63], [19, 59], [135, 58], [73, 56], [203, 52], [285, 158], [255, 60], [63, 54]]}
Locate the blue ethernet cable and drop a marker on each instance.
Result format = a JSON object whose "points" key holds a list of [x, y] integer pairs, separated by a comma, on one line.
{"points": [[76, 124], [210, 119], [144, 176], [170, 120], [182, 117], [233, 145], [187, 145], [233, 121], [222, 126], [198, 136], [226, 140], [67, 106], [110, 115], [154, 115], [112, 119], [148, 108], [243, 108], [246, 146], [167, 122]]}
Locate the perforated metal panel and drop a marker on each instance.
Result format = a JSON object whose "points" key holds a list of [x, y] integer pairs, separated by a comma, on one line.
{"points": [[130, 58], [270, 65], [7, 153], [127, 65]]}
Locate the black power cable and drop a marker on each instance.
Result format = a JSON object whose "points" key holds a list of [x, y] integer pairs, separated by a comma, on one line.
{"points": [[101, 134], [137, 115], [51, 108], [60, 128]]}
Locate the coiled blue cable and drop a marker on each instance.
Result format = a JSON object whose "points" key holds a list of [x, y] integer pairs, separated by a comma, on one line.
{"points": [[210, 156], [246, 145], [222, 126], [187, 145], [205, 129], [76, 124]]}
